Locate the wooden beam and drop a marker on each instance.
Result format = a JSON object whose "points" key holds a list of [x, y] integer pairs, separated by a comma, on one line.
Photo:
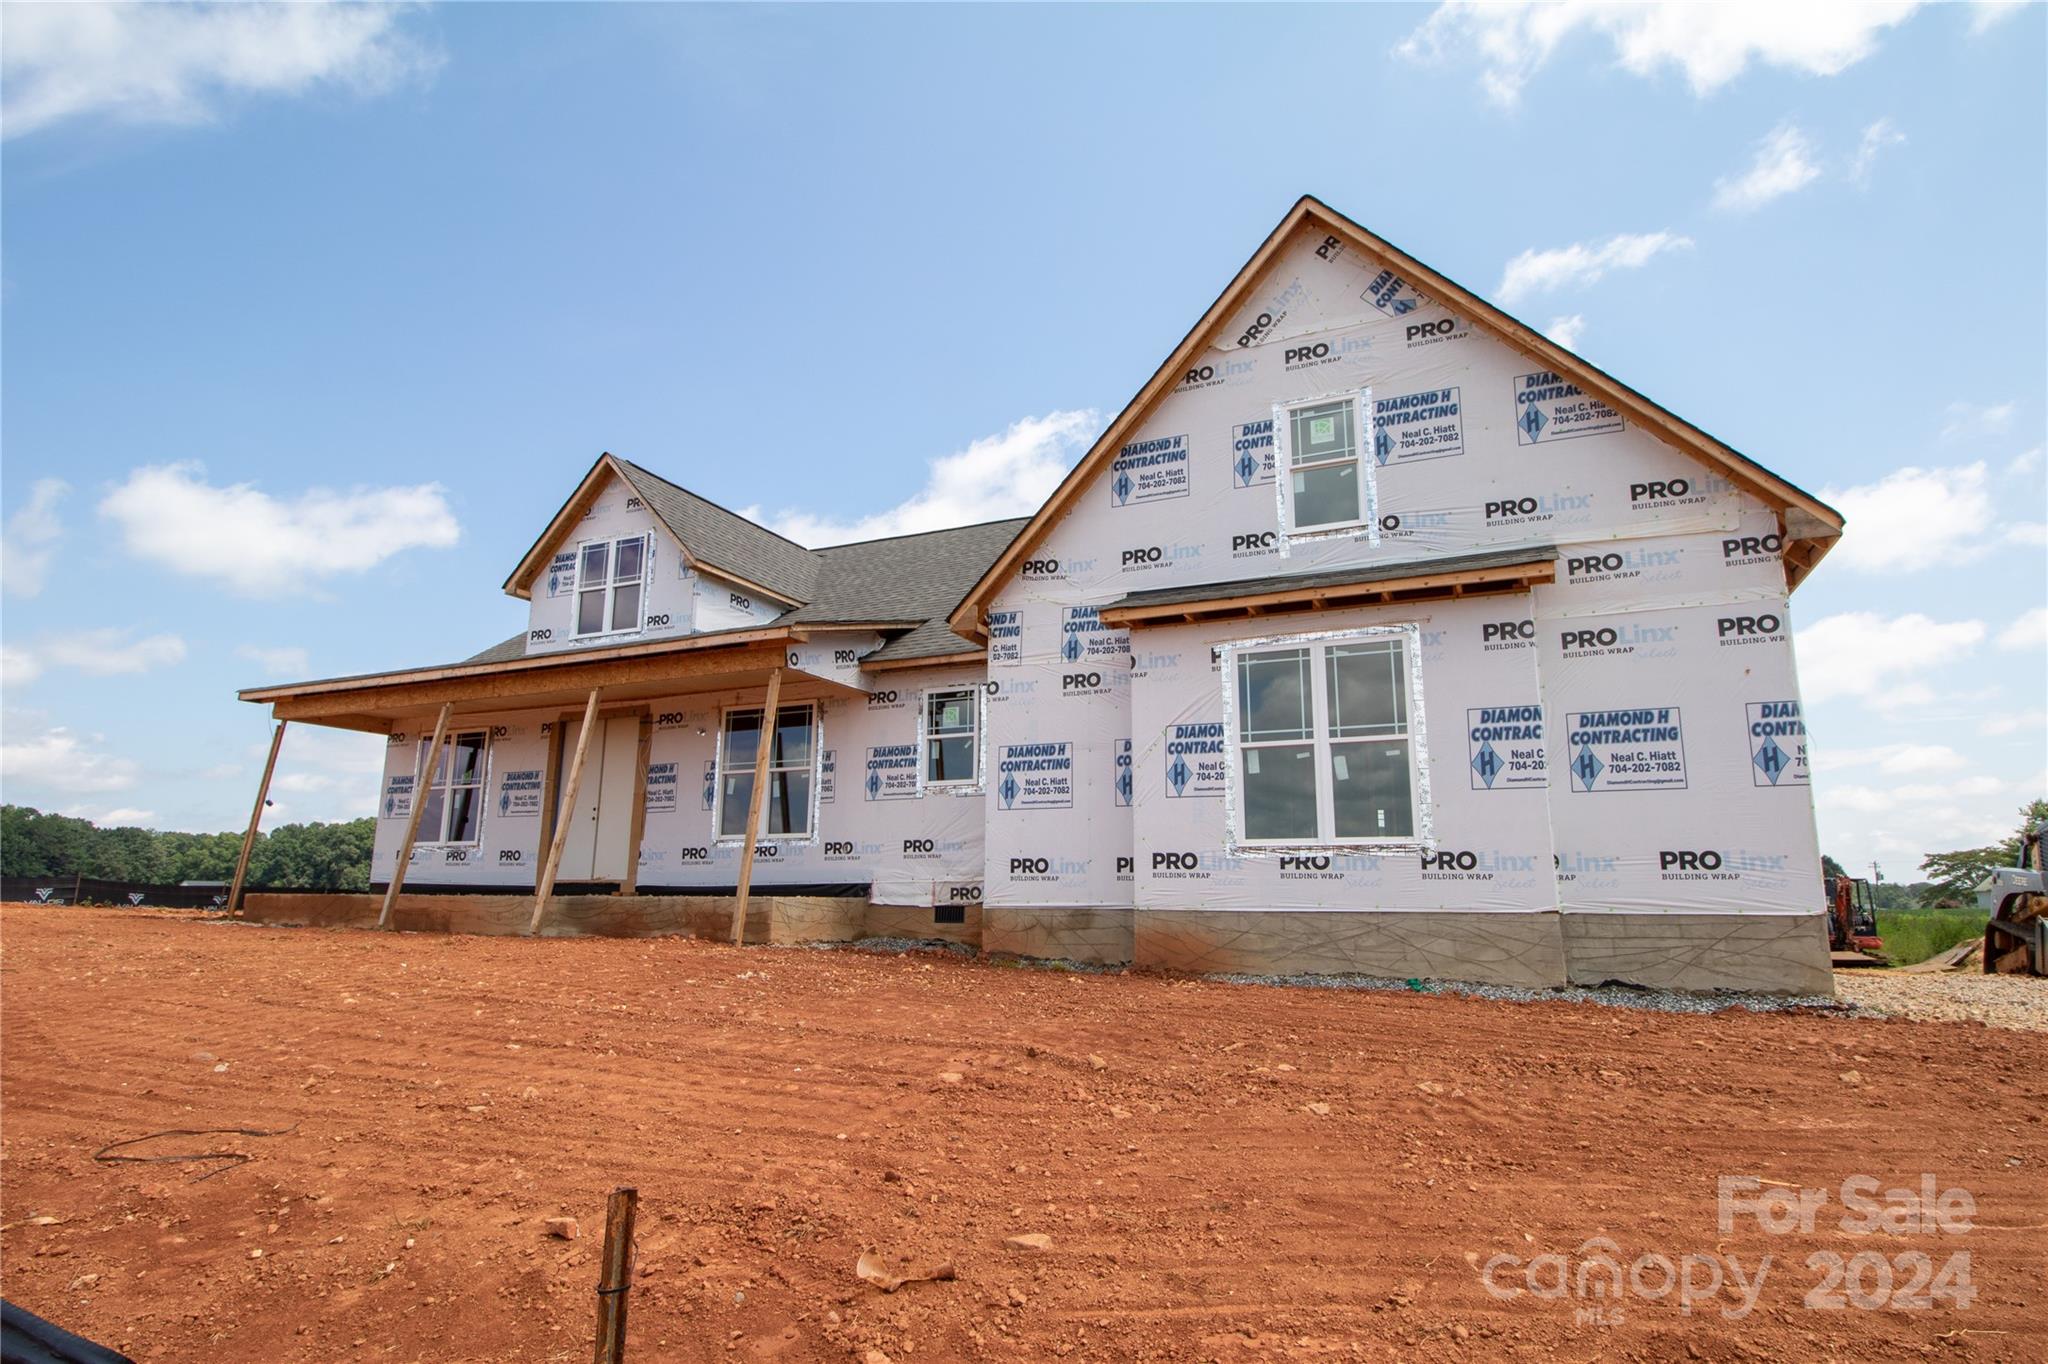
{"points": [[546, 886], [630, 883], [422, 779], [550, 789], [754, 805], [877, 665], [1420, 585], [255, 818], [575, 674]]}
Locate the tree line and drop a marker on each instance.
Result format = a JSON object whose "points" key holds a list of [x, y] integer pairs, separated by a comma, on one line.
{"points": [[1953, 876], [300, 856]]}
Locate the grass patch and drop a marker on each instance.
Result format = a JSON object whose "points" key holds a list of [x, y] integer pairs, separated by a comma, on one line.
{"points": [[1919, 934]]}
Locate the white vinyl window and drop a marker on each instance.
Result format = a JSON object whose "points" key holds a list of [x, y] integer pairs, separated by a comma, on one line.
{"points": [[1323, 750], [611, 586], [952, 737], [454, 793], [792, 771], [1325, 482]]}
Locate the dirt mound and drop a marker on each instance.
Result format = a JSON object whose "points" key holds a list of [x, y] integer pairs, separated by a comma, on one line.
{"points": [[1198, 1170]]}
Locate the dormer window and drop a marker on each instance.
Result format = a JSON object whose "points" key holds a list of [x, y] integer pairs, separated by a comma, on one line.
{"points": [[611, 586]]}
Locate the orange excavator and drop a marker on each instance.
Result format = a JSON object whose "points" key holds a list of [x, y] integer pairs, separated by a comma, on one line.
{"points": [[1852, 919]]}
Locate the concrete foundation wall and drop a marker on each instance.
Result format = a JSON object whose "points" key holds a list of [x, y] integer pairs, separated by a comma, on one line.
{"points": [[1097, 935], [919, 921], [1767, 953], [1493, 949]]}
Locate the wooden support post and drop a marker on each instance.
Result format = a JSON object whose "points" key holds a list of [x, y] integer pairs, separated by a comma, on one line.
{"points": [[615, 1276], [422, 780], [255, 818], [760, 798], [630, 885], [562, 811]]}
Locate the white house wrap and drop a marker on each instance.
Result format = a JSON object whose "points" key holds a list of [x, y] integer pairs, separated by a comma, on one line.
{"points": [[1378, 633]]}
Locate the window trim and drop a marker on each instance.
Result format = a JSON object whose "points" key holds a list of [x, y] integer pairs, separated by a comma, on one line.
{"points": [[424, 785], [1368, 519], [958, 785], [719, 773], [612, 583], [1318, 643]]}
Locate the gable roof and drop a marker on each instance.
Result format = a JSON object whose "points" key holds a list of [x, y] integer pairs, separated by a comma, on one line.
{"points": [[1810, 524], [711, 537]]}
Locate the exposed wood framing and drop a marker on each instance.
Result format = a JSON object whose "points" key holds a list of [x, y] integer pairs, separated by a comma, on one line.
{"points": [[491, 682], [546, 885], [629, 884], [255, 819], [754, 805], [550, 788], [1417, 587], [423, 776]]}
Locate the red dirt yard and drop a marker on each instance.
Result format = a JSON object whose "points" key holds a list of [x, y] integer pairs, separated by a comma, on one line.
{"points": [[1224, 1172]]}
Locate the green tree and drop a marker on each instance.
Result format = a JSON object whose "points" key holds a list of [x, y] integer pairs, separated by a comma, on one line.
{"points": [[1953, 876], [301, 856]]}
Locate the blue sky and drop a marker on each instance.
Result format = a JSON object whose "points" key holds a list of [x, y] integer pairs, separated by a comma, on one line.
{"points": [[312, 316]]}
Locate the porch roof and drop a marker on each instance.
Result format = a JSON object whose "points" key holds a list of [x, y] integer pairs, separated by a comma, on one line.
{"points": [[725, 660], [1509, 570]]}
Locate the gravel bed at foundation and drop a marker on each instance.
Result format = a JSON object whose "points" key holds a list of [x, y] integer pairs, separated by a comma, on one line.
{"points": [[2019, 1002], [1614, 996]]}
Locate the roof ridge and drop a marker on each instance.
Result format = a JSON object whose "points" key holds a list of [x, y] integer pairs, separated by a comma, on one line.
{"points": [[914, 534], [716, 506]]}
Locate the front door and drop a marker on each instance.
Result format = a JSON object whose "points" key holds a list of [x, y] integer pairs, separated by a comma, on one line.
{"points": [[597, 846]]}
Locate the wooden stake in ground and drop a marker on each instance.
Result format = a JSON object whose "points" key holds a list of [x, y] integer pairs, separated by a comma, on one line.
{"points": [[255, 818], [562, 807], [615, 1276], [760, 798], [422, 778]]}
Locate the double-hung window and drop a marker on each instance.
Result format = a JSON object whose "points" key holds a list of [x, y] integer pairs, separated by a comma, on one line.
{"points": [[610, 583], [792, 771], [1324, 481], [1324, 742], [952, 737], [454, 791]]}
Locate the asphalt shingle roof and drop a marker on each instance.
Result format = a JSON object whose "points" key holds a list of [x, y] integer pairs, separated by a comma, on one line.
{"points": [[730, 541]]}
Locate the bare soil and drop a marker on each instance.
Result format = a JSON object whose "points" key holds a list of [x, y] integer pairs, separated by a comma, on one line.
{"points": [[1223, 1172]]}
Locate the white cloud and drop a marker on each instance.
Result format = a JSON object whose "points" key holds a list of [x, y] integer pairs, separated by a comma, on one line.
{"points": [[2012, 722], [333, 773], [58, 760], [1894, 760], [1784, 164], [120, 816], [2028, 633], [1915, 518], [1987, 14], [2023, 463], [997, 476], [1566, 331], [106, 652], [1964, 420], [284, 661], [18, 666], [1581, 263], [1872, 657], [1711, 44], [1876, 138], [263, 546], [176, 63], [2032, 533], [31, 537]]}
